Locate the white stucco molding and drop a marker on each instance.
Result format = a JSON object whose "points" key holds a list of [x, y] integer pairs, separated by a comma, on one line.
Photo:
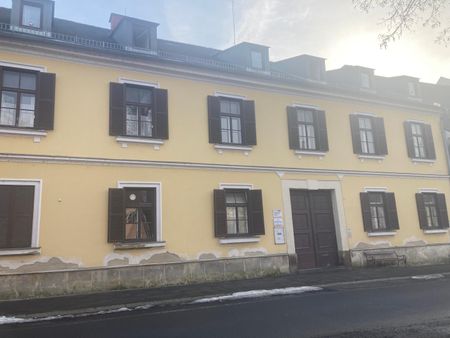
{"points": [[239, 240], [338, 209]]}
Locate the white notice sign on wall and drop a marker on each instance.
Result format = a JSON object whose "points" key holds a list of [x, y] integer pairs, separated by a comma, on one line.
{"points": [[279, 235]]}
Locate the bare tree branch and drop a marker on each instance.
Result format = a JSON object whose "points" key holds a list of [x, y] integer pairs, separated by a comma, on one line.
{"points": [[405, 15]]}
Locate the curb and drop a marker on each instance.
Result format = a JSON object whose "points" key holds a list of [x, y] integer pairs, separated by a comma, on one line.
{"points": [[185, 301]]}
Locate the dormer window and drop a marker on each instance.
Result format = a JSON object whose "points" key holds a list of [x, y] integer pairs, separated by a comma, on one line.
{"points": [[411, 89], [365, 81], [31, 15], [141, 37], [257, 61]]}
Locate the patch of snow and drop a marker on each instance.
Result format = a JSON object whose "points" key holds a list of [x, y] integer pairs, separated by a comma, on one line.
{"points": [[10, 320], [427, 277], [258, 294]]}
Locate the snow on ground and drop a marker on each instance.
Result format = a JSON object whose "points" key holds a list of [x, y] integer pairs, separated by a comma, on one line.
{"points": [[258, 293], [427, 277]]}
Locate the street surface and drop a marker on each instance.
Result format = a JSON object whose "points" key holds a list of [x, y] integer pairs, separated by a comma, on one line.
{"points": [[398, 308]]}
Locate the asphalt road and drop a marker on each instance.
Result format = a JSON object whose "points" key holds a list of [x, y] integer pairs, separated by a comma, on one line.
{"points": [[406, 308]]}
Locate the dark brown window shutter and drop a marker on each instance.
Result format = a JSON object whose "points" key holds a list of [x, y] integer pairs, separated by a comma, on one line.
{"points": [[1, 77], [116, 215], [214, 119], [220, 214], [5, 211], [365, 208], [391, 211], [421, 211], [356, 138], [409, 139], [45, 101], [22, 218], [442, 210], [255, 213], [322, 134], [294, 142], [249, 122], [380, 136], [429, 144], [161, 114], [116, 109]]}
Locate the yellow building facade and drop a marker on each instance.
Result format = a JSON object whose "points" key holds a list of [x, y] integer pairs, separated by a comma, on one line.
{"points": [[201, 219]]}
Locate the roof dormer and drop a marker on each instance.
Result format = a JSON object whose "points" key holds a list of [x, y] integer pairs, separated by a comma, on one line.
{"points": [[134, 34], [353, 77], [32, 16], [249, 55], [406, 87], [306, 66]]}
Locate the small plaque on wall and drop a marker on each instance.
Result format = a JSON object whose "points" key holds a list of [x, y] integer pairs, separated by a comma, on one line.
{"points": [[279, 236]]}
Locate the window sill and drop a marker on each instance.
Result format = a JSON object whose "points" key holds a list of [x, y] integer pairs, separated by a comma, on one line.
{"points": [[20, 252], [422, 160], [238, 240], [123, 140], [36, 134], [221, 147], [363, 157], [301, 153], [381, 234], [435, 231], [127, 246]]}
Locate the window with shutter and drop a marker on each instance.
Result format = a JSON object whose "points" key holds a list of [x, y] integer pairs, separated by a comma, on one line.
{"points": [[27, 99], [379, 211], [432, 211], [138, 111], [132, 215], [419, 139], [368, 135], [231, 121], [238, 212], [16, 216], [307, 129]]}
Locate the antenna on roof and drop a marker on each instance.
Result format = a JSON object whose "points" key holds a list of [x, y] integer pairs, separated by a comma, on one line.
{"points": [[234, 22]]}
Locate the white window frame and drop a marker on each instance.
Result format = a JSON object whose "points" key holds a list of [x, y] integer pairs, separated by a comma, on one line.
{"points": [[37, 184], [158, 187]]}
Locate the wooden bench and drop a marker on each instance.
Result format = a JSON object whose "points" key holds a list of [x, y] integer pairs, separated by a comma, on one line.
{"points": [[384, 257]]}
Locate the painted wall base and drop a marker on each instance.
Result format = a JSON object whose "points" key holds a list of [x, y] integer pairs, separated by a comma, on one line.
{"points": [[56, 283], [415, 255]]}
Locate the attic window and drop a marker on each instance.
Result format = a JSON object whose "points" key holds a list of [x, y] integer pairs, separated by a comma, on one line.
{"points": [[411, 89], [256, 60], [31, 15], [141, 37], [365, 80]]}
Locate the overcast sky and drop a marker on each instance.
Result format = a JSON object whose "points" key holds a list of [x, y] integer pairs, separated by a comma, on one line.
{"points": [[332, 29]]}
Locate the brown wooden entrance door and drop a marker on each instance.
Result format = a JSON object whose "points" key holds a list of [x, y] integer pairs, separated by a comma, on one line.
{"points": [[314, 230]]}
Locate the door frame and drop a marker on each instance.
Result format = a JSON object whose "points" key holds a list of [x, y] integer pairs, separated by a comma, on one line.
{"points": [[338, 210]]}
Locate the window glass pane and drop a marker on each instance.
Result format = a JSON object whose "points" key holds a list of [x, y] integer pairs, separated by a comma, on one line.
{"points": [[256, 60], [301, 116], [310, 129], [232, 227], [301, 130], [236, 137], [146, 122], [28, 81], [31, 16], [27, 101], [236, 124], [11, 79], [225, 129], [235, 108], [225, 107], [309, 116], [145, 96], [132, 94], [8, 108], [371, 148], [230, 198], [240, 197], [131, 223], [145, 223], [132, 120], [26, 118]]}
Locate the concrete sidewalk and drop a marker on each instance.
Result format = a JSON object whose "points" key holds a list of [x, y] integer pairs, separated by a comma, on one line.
{"points": [[88, 303]]}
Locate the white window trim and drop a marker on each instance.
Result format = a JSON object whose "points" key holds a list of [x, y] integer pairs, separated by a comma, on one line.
{"points": [[221, 147], [246, 186], [375, 189], [381, 234], [139, 82], [428, 190], [36, 134], [422, 160], [417, 121], [127, 246], [124, 140], [158, 187], [239, 240], [20, 252], [23, 66], [37, 184], [229, 95], [435, 231], [364, 114], [301, 153], [371, 157], [305, 106]]}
